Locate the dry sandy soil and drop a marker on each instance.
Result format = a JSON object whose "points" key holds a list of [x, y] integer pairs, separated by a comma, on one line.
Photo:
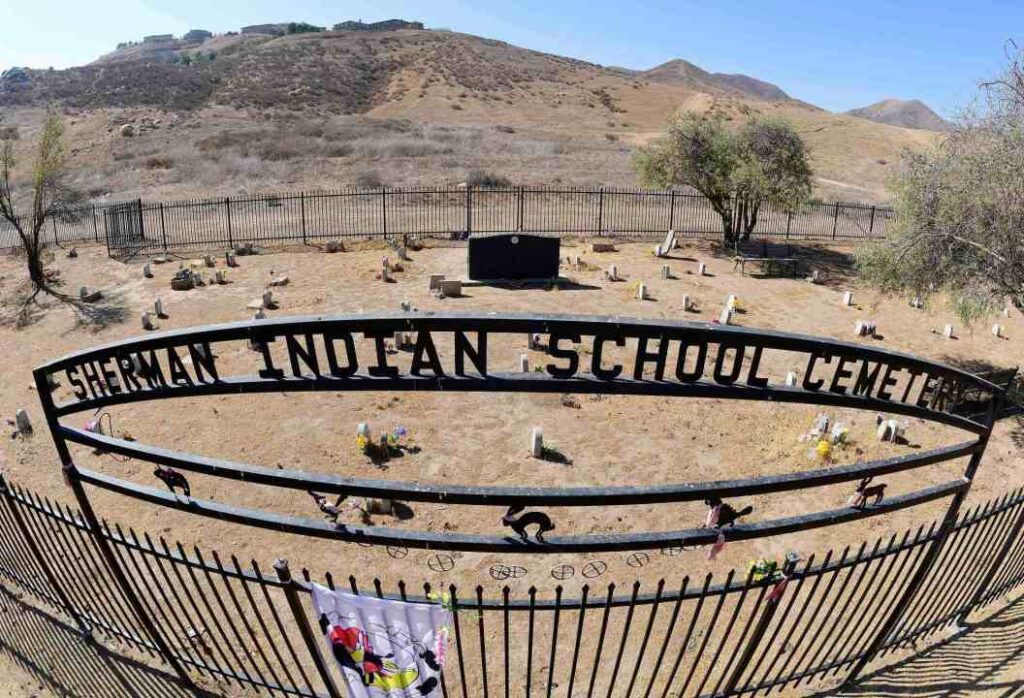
{"points": [[483, 439]]}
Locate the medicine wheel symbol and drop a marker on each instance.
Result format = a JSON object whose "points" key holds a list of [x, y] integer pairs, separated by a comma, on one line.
{"points": [[441, 563], [563, 572], [637, 559], [594, 568]]}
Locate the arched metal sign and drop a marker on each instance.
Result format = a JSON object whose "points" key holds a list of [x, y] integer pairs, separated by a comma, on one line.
{"points": [[454, 352]]}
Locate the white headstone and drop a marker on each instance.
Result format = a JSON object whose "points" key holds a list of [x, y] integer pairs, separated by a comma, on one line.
{"points": [[947, 331], [147, 321], [22, 422], [657, 251], [363, 430], [848, 298], [701, 268], [666, 272], [916, 303], [641, 292], [524, 363], [687, 303], [268, 299], [730, 302], [147, 271], [613, 273], [791, 379], [725, 317], [435, 281], [670, 242], [1006, 311], [537, 442], [997, 330], [83, 292], [158, 307]]}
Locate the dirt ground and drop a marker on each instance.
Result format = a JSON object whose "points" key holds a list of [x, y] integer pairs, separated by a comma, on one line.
{"points": [[484, 439]]}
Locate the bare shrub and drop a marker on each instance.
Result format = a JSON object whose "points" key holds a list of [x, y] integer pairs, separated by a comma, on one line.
{"points": [[487, 180], [158, 162], [369, 180]]}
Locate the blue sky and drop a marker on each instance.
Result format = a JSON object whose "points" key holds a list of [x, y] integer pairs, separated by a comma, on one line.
{"points": [[837, 56]]}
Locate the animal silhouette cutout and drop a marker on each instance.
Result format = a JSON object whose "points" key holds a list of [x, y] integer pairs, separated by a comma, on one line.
{"points": [[864, 493], [532, 518], [727, 515], [173, 479], [330, 511]]}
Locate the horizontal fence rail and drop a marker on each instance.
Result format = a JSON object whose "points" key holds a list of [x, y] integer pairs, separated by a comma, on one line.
{"points": [[314, 217], [244, 628]]}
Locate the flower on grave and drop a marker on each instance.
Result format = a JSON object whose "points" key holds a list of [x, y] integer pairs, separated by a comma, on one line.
{"points": [[823, 450], [397, 435], [362, 443], [762, 569]]}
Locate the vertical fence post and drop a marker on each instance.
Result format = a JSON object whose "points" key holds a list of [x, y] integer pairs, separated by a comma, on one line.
{"points": [[469, 210], [163, 227], [95, 228], [671, 209], [871, 225], [384, 210], [227, 208], [71, 478], [519, 227], [65, 601], [930, 555], [53, 222], [789, 222], [302, 209], [600, 210], [312, 642], [106, 230], [835, 221]]}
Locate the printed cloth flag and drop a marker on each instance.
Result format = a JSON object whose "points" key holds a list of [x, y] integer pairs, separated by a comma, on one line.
{"points": [[386, 648]]}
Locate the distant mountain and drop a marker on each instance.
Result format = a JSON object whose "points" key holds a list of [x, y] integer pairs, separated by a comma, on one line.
{"points": [[910, 113], [684, 73]]}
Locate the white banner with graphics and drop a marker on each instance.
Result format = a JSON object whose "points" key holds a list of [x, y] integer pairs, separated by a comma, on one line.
{"points": [[386, 648]]}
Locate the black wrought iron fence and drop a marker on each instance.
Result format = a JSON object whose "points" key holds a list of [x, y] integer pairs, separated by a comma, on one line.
{"points": [[451, 213], [236, 624]]}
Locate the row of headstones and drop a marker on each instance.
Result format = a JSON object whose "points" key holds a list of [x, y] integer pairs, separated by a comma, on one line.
{"points": [[867, 328]]}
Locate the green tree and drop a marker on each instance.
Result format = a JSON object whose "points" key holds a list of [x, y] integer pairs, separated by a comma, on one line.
{"points": [[737, 170], [48, 197], [959, 206]]}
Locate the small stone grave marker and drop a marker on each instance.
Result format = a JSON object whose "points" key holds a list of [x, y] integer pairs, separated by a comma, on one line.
{"points": [[537, 442], [22, 423], [997, 331], [147, 321], [435, 282], [158, 308], [641, 292], [701, 269], [947, 332], [848, 298], [524, 363], [791, 379], [725, 317], [602, 247], [147, 270], [666, 271], [451, 288], [687, 303]]}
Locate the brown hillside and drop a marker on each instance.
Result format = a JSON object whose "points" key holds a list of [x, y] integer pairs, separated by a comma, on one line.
{"points": [[407, 107]]}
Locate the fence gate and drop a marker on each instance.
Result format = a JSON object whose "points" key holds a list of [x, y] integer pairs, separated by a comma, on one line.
{"points": [[126, 235]]}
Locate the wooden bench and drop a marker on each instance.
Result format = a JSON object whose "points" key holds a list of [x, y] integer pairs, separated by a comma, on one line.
{"points": [[774, 258]]}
